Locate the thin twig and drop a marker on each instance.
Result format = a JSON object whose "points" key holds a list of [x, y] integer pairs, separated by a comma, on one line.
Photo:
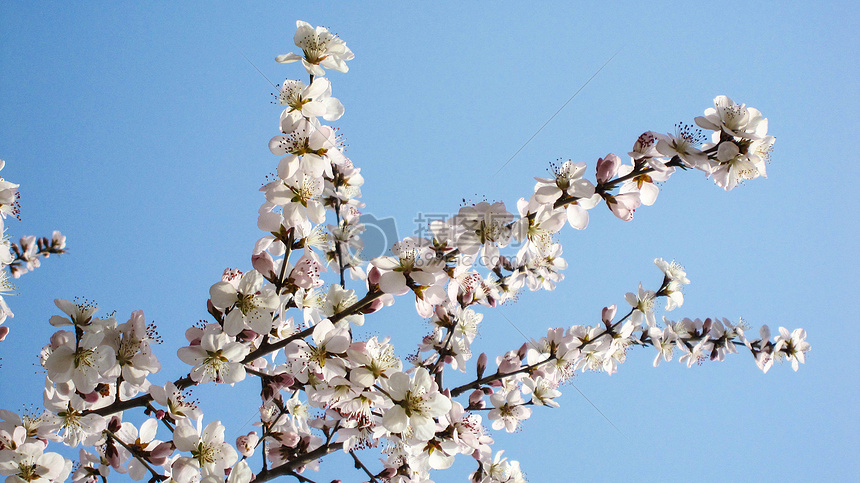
{"points": [[360, 465]]}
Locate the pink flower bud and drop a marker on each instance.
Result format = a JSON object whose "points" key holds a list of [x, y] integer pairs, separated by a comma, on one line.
{"points": [[264, 264], [509, 363], [607, 168], [608, 314], [161, 452], [212, 310], [61, 338], [441, 313], [373, 307], [476, 398], [114, 424], [112, 455], [524, 349], [482, 364], [289, 438], [245, 444], [3, 332], [373, 276]]}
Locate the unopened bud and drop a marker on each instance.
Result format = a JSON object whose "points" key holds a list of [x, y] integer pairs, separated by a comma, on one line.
{"points": [[264, 264], [212, 310], [373, 276], [608, 314], [61, 338], [246, 444], [372, 307], [482, 364], [476, 398], [289, 438], [524, 349], [161, 452], [285, 379], [442, 313], [607, 168], [114, 424]]}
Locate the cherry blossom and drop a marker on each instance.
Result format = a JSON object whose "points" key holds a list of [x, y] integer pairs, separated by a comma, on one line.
{"points": [[509, 410], [143, 442], [684, 144], [309, 101], [321, 49], [567, 181], [207, 447], [217, 358], [306, 144], [80, 313], [542, 391], [85, 363], [733, 119], [498, 470], [329, 340], [414, 263], [177, 403], [417, 401], [374, 359], [793, 345], [134, 355], [643, 306], [29, 462], [252, 304], [485, 228]]}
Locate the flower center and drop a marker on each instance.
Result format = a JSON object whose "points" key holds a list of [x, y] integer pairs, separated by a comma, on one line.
{"points": [[84, 357], [206, 453], [306, 191], [246, 303], [413, 403], [27, 470]]}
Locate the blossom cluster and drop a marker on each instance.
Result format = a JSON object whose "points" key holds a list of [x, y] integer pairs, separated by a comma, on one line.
{"points": [[23, 256], [326, 385]]}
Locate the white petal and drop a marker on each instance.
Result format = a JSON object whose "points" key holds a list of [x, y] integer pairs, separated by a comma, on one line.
{"points": [[223, 295], [393, 283], [291, 57]]}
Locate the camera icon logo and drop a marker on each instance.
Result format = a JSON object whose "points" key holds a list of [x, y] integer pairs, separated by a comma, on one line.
{"points": [[378, 237]]}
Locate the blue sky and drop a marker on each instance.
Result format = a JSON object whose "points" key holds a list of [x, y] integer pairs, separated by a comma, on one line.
{"points": [[141, 133]]}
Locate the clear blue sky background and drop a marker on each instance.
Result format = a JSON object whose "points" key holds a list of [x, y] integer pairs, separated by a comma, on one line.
{"points": [[141, 133]]}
